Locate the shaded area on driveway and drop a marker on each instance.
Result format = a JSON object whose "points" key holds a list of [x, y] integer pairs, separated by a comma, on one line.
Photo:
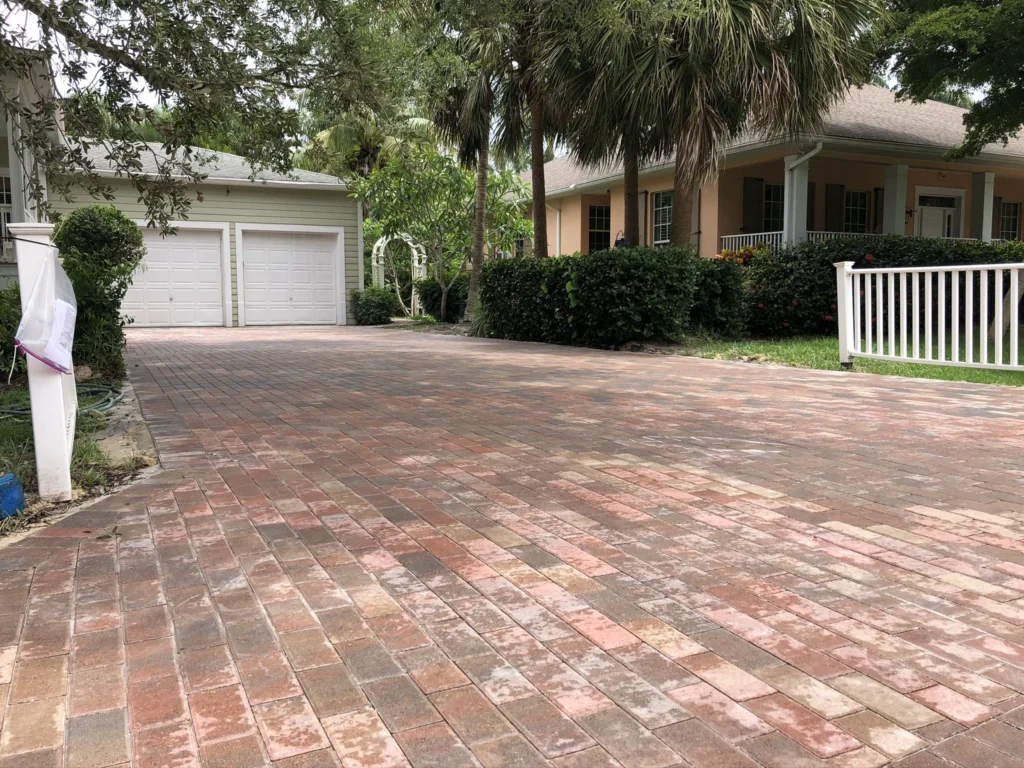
{"points": [[373, 548]]}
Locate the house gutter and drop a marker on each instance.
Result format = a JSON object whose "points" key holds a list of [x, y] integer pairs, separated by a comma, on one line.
{"points": [[791, 164]]}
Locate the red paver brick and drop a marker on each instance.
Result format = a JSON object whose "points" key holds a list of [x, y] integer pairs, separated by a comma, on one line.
{"points": [[803, 726], [954, 705], [362, 741], [289, 727], [165, 746], [727, 718], [221, 714]]}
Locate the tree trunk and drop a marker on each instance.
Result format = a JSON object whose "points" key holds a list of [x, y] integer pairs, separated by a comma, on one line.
{"points": [[540, 211], [680, 231], [631, 196], [444, 304], [479, 230]]}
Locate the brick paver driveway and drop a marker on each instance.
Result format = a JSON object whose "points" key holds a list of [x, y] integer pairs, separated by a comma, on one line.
{"points": [[381, 548]]}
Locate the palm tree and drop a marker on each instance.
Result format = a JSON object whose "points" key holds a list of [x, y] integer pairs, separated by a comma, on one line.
{"points": [[464, 120], [587, 68], [522, 109], [766, 67]]}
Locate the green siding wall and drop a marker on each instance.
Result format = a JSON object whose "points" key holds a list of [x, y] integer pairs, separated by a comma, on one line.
{"points": [[255, 204]]}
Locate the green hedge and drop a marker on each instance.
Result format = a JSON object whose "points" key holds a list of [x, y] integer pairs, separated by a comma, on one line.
{"points": [[792, 291], [430, 298], [603, 299], [720, 302], [374, 306]]}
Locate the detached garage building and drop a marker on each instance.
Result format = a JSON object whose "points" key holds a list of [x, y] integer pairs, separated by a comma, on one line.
{"points": [[282, 250]]}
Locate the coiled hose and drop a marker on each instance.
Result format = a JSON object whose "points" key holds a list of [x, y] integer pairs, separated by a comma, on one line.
{"points": [[92, 398]]}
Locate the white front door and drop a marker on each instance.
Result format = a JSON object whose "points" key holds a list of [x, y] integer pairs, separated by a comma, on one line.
{"points": [[937, 222], [180, 281], [290, 278]]}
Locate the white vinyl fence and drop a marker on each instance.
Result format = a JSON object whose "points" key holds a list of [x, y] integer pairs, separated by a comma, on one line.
{"points": [[965, 315]]}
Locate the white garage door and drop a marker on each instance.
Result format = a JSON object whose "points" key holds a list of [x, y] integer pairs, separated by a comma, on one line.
{"points": [[289, 278], [180, 282]]}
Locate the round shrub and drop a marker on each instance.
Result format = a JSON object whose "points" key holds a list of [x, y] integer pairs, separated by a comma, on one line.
{"points": [[374, 306], [101, 249], [429, 292]]}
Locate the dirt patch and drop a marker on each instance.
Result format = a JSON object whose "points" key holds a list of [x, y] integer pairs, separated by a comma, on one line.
{"points": [[125, 436], [438, 329]]}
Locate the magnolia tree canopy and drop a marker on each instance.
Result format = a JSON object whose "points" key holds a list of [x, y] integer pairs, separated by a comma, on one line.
{"points": [[107, 68], [429, 196]]}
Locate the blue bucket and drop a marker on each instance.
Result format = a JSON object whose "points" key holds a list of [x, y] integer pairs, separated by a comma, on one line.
{"points": [[12, 496]]}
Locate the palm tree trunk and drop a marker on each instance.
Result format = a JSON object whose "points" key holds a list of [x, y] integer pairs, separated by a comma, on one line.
{"points": [[680, 232], [631, 196], [540, 211], [479, 230]]}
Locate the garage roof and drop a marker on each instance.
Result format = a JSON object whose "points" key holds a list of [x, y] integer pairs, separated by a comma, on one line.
{"points": [[221, 167]]}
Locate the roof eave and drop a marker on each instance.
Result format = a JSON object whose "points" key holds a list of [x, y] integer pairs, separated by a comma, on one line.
{"points": [[338, 186]]}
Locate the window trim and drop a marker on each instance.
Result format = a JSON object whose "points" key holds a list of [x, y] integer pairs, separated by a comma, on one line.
{"points": [[1016, 220], [780, 203], [655, 209], [847, 208], [590, 227]]}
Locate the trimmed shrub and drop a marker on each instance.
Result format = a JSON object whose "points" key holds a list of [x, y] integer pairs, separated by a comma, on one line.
{"points": [[603, 299], [374, 306], [101, 248], [526, 299], [430, 298], [792, 291], [10, 317], [719, 302], [631, 294]]}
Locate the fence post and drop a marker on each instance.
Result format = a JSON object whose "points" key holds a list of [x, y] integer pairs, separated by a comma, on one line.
{"points": [[844, 309], [52, 394]]}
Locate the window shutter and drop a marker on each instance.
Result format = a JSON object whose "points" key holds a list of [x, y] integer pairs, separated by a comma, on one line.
{"points": [[753, 205], [835, 201], [810, 206], [877, 224], [997, 217]]}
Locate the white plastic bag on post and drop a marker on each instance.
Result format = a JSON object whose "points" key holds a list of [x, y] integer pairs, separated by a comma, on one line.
{"points": [[47, 328]]}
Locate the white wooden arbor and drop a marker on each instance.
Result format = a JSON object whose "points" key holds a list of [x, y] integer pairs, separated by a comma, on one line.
{"points": [[419, 266]]}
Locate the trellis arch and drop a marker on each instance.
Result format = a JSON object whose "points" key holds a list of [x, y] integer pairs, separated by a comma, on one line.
{"points": [[419, 266]]}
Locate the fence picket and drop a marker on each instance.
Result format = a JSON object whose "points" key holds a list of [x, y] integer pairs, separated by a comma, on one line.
{"points": [[927, 316], [999, 317], [955, 330], [903, 314], [917, 318], [983, 314], [969, 316], [1014, 316]]}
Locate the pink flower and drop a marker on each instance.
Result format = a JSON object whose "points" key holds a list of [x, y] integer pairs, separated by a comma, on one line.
{"points": [[794, 302], [760, 306], [828, 318], [869, 257]]}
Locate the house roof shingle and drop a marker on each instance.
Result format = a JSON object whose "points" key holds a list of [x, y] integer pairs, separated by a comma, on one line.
{"points": [[221, 166], [869, 113]]}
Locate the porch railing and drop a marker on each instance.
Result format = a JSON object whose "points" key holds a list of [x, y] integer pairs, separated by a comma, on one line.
{"points": [[739, 242], [817, 237], [965, 316]]}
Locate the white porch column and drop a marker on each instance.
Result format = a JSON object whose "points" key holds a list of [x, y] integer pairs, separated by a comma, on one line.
{"points": [[794, 213], [52, 394], [982, 189], [894, 213], [17, 176]]}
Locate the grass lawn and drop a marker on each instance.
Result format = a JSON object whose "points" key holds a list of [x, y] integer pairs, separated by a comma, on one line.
{"points": [[822, 353], [91, 469]]}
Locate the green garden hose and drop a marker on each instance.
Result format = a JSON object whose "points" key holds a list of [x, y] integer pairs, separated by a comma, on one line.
{"points": [[92, 398]]}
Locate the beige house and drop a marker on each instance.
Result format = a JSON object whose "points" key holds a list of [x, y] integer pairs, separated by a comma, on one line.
{"points": [[876, 167]]}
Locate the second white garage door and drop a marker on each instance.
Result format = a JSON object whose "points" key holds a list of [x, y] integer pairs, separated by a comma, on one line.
{"points": [[180, 282], [290, 278]]}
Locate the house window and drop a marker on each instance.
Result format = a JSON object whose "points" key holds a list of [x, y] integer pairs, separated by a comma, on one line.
{"points": [[520, 248], [6, 203], [855, 213], [1009, 227], [662, 217], [774, 195], [600, 228]]}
